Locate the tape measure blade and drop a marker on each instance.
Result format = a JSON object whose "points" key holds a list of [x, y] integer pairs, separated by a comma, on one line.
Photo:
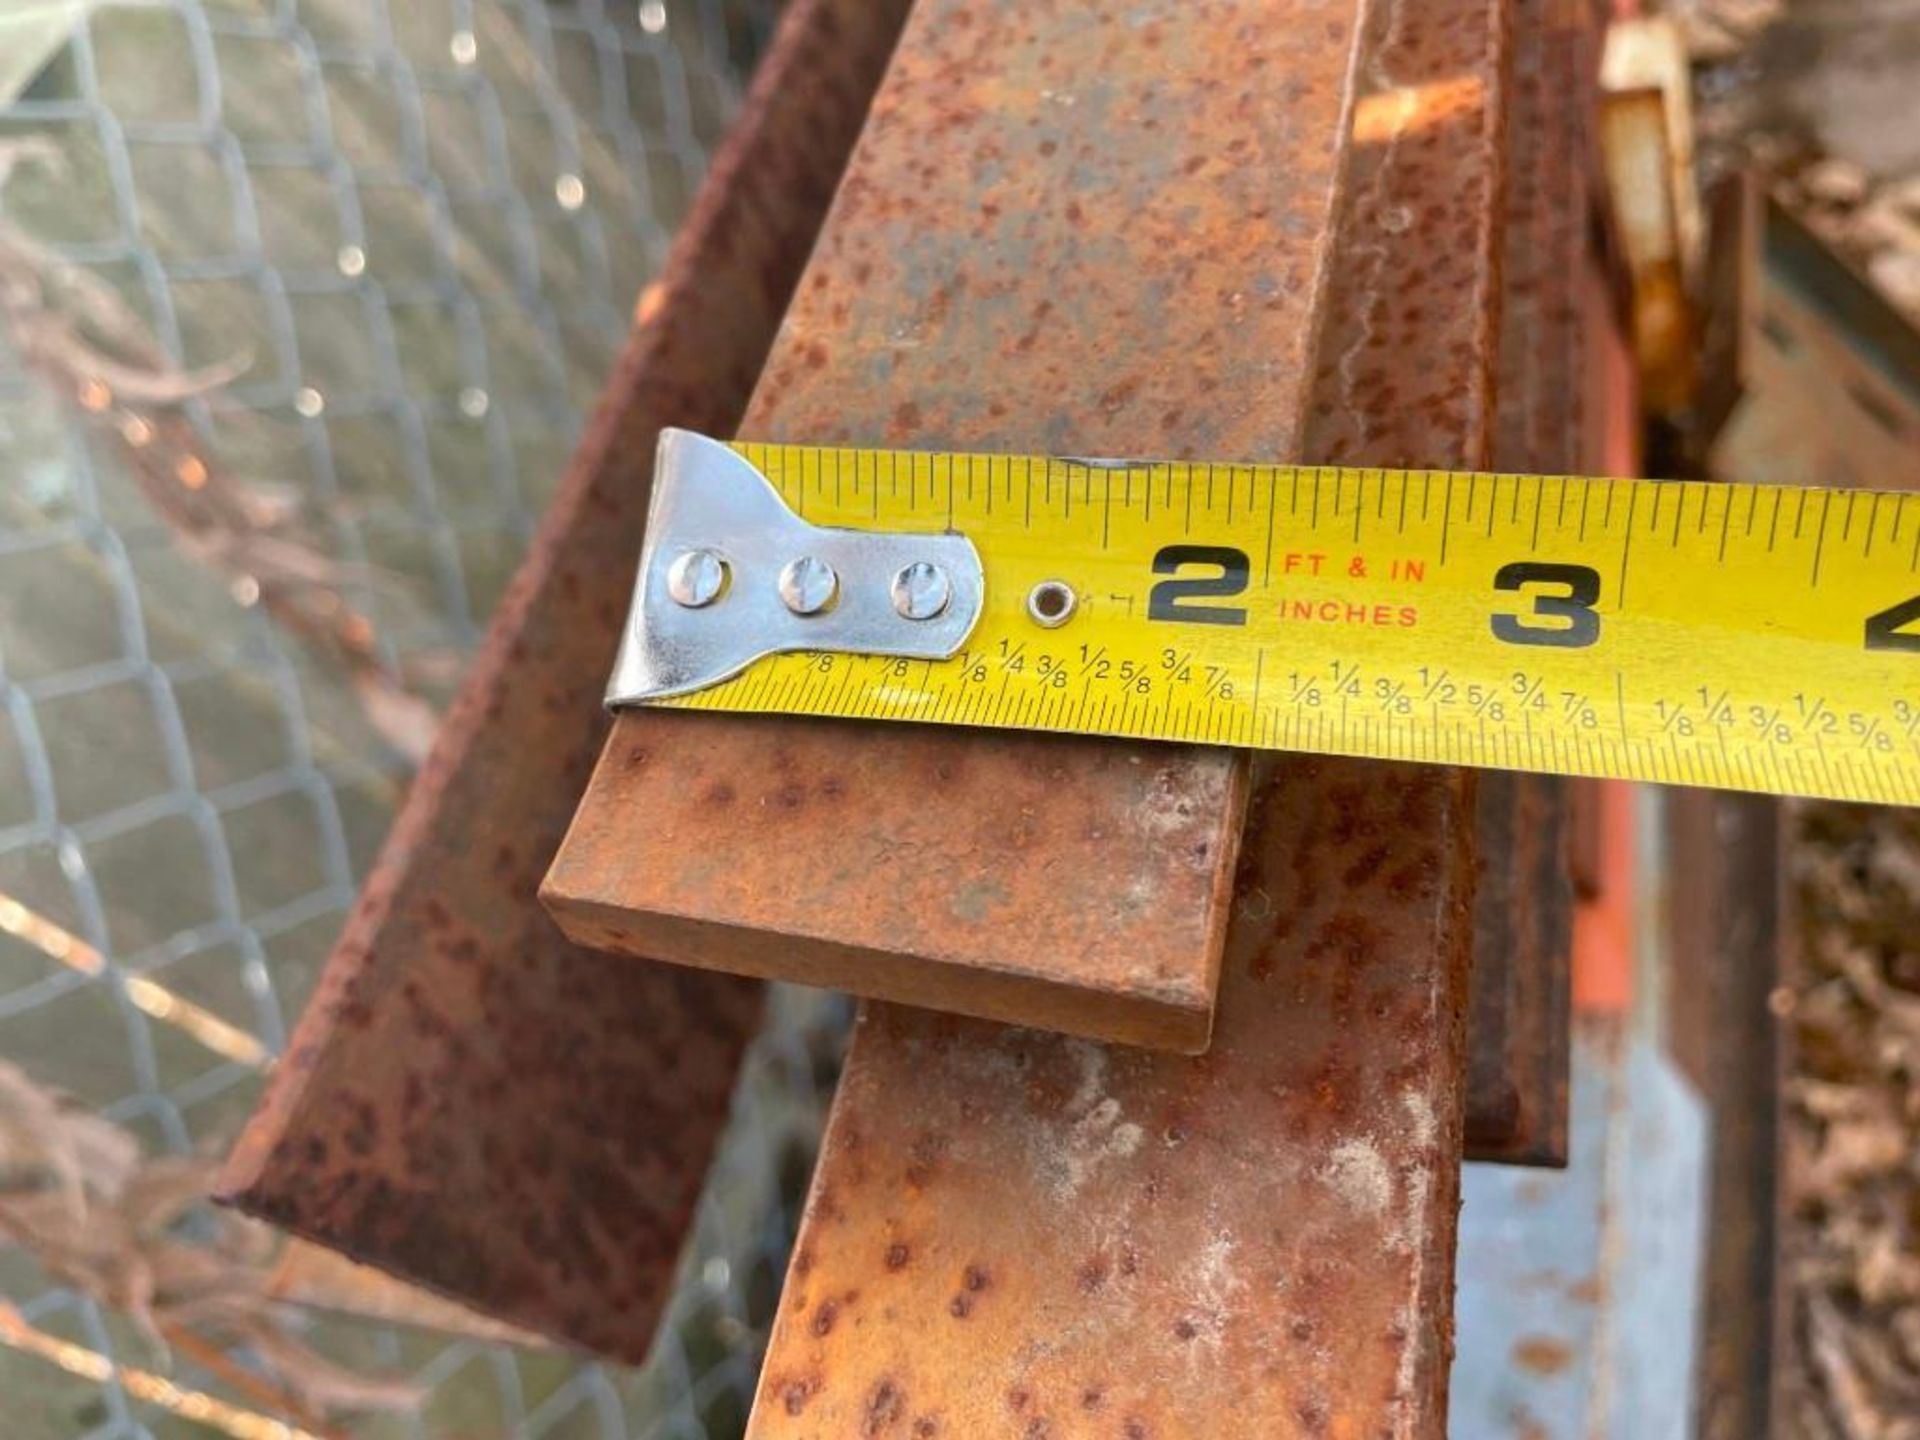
{"points": [[1731, 636]]}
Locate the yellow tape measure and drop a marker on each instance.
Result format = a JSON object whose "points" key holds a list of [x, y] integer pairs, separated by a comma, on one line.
{"points": [[1743, 636]]}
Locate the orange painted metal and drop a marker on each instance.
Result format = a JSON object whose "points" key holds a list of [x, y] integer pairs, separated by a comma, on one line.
{"points": [[1604, 957], [1070, 229], [471, 1101], [1603, 927], [1022, 1234]]}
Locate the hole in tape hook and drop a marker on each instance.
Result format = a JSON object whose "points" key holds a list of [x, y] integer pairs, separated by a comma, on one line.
{"points": [[1051, 603]]}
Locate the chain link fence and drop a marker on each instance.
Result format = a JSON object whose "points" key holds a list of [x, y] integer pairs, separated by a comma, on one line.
{"points": [[301, 305]]}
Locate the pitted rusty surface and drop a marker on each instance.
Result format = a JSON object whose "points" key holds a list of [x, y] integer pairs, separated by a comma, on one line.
{"points": [[1076, 229], [1070, 228], [1018, 1234], [1157, 865], [1021, 1234], [1517, 1088], [470, 1101], [1555, 89], [1407, 365]]}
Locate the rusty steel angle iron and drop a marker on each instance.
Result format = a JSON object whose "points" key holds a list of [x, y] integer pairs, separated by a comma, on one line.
{"points": [[471, 1101], [1521, 1022]]}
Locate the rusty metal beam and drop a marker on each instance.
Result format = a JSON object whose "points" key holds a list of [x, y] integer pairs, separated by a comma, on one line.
{"points": [[1025, 1234], [1018, 1233], [1521, 1014], [1069, 229], [470, 1101], [1726, 868], [1521, 996]]}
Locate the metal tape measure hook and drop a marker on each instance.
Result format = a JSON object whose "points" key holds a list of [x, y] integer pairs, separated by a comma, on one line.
{"points": [[729, 574]]}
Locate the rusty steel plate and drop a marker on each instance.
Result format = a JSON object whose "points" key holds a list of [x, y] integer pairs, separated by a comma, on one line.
{"points": [[470, 1101], [1018, 1233], [1013, 1233], [1072, 229]]}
